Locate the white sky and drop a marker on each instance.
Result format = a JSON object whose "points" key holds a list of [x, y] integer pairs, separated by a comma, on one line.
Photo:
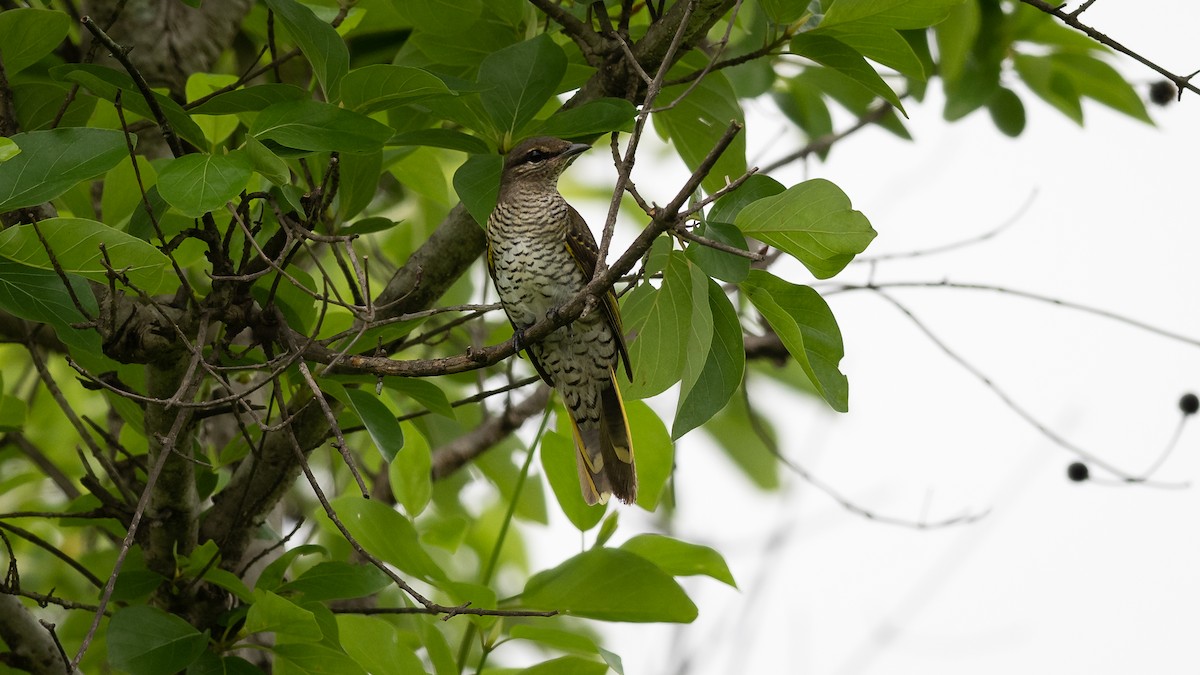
{"points": [[1059, 577]]}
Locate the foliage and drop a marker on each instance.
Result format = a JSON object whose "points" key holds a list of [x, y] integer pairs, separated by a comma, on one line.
{"points": [[191, 326]]}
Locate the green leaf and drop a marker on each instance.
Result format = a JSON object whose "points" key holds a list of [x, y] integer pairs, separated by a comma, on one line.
{"points": [[250, 99], [783, 12], [76, 244], [107, 82], [440, 17], [1047, 81], [319, 42], [1097, 80], [658, 323], [266, 163], [679, 558], [383, 86], [882, 45], [359, 182], [424, 392], [756, 187], [719, 264], [841, 57], [567, 641], [12, 413], [337, 580], [521, 78], [610, 585], [567, 665], [379, 420], [724, 365], [955, 38], [287, 620], [811, 221], [698, 121], [558, 463], [891, 13], [388, 535], [749, 452], [36, 105], [8, 149], [409, 474], [272, 576], [441, 138], [199, 183], [26, 35], [1007, 111], [654, 453], [52, 162], [144, 639], [316, 659], [216, 128], [801, 318], [318, 126], [698, 337], [594, 117], [40, 295], [477, 183], [376, 645]]}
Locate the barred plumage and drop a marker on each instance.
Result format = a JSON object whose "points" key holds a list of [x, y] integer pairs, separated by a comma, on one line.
{"points": [[540, 254]]}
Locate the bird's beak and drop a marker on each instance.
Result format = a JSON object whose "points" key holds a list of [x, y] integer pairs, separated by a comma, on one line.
{"points": [[575, 149]]}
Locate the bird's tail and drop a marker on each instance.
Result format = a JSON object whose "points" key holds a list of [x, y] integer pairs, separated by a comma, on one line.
{"points": [[605, 453]]}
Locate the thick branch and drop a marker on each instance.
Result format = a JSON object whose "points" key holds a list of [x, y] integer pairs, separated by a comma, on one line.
{"points": [[451, 456], [29, 642]]}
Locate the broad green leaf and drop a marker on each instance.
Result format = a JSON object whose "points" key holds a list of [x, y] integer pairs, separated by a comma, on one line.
{"points": [[421, 170], [700, 328], [477, 183], [379, 420], [783, 12], [266, 163], [657, 321], [610, 585], [882, 45], [440, 17], [106, 83], [801, 318], [423, 391], [250, 99], [211, 664], [199, 183], [387, 534], [317, 659], [591, 118], [382, 86], [836, 54], [521, 78], [318, 126], [272, 576], [143, 639], [679, 558], [731, 429], [76, 244], [12, 413], [567, 641], [955, 38], [376, 645], [653, 453], [1097, 80], [699, 120], [409, 475], [811, 221], [37, 104], [723, 367], [319, 42], [337, 580], [122, 191], [216, 128], [26, 35], [441, 138], [567, 665], [559, 465], [359, 182], [720, 264], [8, 149], [52, 162], [756, 187], [1047, 81], [438, 649], [39, 295], [1007, 111], [287, 620], [891, 13]]}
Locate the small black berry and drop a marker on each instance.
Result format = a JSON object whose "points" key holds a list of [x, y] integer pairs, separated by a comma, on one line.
{"points": [[1162, 92], [1077, 472], [1189, 404]]}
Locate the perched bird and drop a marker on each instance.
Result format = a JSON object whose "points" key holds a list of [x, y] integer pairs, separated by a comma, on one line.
{"points": [[540, 255]]}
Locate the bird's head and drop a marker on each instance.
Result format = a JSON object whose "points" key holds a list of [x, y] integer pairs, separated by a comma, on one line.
{"points": [[539, 161]]}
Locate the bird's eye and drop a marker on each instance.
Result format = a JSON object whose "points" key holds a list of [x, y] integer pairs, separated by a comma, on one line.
{"points": [[535, 155]]}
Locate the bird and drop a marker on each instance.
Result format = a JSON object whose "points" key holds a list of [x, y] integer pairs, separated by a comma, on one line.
{"points": [[540, 254]]}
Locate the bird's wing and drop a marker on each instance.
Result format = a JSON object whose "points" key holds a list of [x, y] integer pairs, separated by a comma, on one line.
{"points": [[582, 247]]}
